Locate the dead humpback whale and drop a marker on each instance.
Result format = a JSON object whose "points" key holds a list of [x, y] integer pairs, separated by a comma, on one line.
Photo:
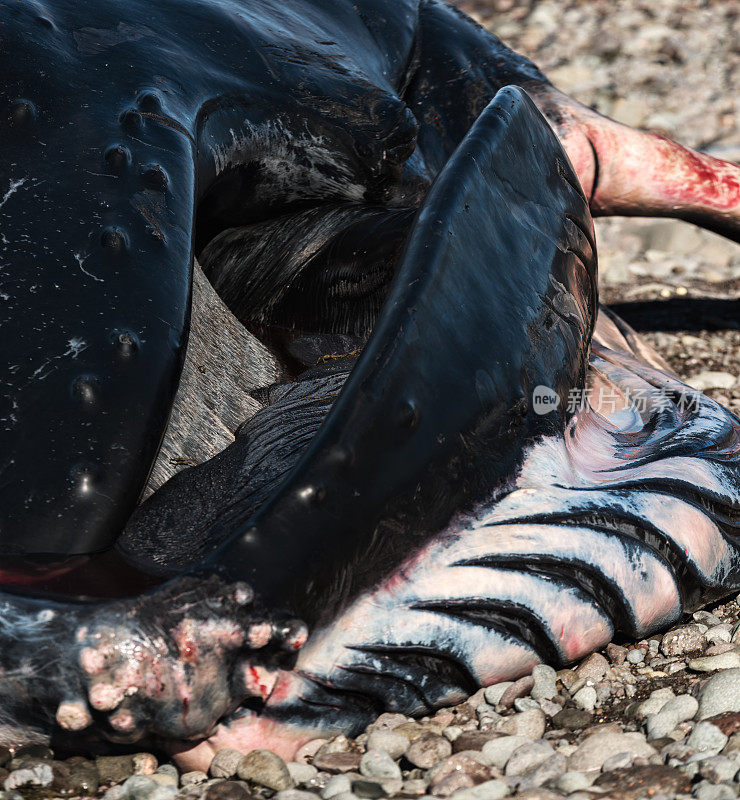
{"points": [[346, 170]]}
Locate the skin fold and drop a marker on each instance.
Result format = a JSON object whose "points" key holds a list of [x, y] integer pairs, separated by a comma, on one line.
{"points": [[387, 172]]}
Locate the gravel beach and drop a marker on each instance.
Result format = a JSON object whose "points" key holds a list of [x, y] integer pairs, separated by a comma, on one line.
{"points": [[658, 718]]}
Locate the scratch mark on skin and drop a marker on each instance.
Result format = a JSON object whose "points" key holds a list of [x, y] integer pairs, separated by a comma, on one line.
{"points": [[80, 262], [75, 346], [14, 186]]}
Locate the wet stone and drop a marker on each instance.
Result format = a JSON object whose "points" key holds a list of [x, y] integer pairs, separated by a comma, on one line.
{"points": [[265, 768], [427, 750], [458, 764], [728, 660], [226, 790], [616, 654]]}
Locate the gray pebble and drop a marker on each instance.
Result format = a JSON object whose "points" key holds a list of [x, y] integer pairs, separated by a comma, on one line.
{"points": [[710, 791], [654, 703], [265, 768], [36, 775], [544, 683], [493, 694], [676, 710], [427, 750], [706, 738], [301, 773], [530, 723], [336, 785], [718, 769], [378, 764], [498, 751], [490, 790], [617, 761], [295, 794], [636, 656], [224, 764], [594, 751], [585, 698], [571, 782], [528, 756], [727, 660], [720, 693], [395, 744], [193, 778]]}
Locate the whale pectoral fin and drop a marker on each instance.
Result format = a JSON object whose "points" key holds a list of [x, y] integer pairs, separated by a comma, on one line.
{"points": [[95, 254], [623, 171], [629, 172], [495, 295]]}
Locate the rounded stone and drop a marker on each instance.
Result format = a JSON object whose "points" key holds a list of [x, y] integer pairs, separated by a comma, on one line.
{"points": [[337, 784], [114, 769], [497, 752], [719, 694], [528, 757], [150, 102], [301, 773], [706, 738], [265, 768], [226, 790], [678, 709], [493, 694], [225, 763], [85, 389], [530, 723], [597, 748], [585, 698], [379, 765], [386, 739], [428, 749], [113, 239], [545, 679]]}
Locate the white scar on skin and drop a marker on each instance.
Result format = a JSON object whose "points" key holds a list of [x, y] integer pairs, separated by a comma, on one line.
{"points": [[14, 186], [80, 261]]}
